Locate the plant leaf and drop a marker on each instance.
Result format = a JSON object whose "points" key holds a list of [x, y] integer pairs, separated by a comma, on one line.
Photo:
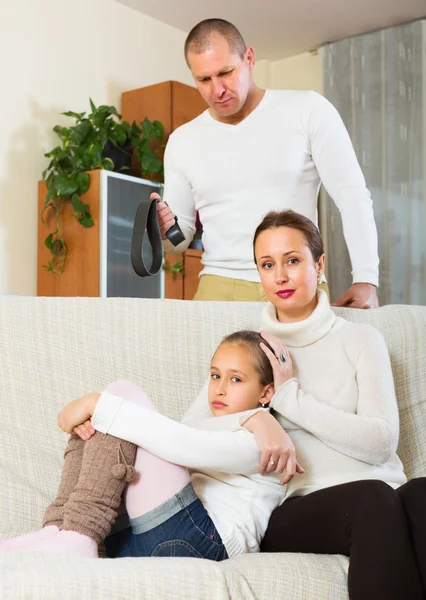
{"points": [[158, 129], [113, 111], [50, 194], [83, 180], [65, 186], [121, 136], [87, 220], [57, 247], [135, 129], [151, 164], [77, 116], [108, 164], [48, 241], [99, 117], [80, 132], [78, 205]]}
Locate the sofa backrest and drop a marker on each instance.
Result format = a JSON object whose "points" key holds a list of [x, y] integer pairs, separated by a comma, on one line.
{"points": [[56, 349]]}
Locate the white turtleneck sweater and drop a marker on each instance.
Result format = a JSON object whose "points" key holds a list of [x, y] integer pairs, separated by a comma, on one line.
{"points": [[339, 408], [275, 159]]}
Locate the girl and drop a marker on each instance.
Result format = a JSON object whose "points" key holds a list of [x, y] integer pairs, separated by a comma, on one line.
{"points": [[220, 510]]}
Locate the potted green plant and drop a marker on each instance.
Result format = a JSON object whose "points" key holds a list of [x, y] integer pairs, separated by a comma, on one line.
{"points": [[98, 140], [175, 268]]}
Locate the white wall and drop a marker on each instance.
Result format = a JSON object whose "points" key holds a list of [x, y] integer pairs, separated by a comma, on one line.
{"points": [[55, 54], [302, 72], [262, 74]]}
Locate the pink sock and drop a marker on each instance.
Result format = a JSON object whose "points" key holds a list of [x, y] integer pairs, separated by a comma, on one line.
{"points": [[67, 542], [157, 480], [21, 542]]}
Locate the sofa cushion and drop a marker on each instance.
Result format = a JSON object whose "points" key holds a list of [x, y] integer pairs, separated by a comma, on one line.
{"points": [[41, 576]]}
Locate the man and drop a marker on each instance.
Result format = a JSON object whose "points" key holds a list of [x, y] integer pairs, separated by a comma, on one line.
{"points": [[253, 151]]}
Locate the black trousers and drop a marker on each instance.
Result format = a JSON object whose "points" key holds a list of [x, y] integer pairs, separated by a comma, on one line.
{"points": [[381, 530]]}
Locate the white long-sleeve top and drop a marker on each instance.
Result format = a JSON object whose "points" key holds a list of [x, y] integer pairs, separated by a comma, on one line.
{"points": [[339, 408], [223, 464], [274, 159]]}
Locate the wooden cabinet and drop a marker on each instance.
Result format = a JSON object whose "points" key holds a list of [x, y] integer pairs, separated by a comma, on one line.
{"points": [[81, 276], [183, 287], [170, 102], [98, 261], [173, 282]]}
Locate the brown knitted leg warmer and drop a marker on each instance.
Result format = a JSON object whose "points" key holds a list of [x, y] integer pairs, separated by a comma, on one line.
{"points": [[73, 456], [106, 468]]}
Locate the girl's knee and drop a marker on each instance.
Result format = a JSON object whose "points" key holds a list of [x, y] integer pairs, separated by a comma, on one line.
{"points": [[130, 391]]}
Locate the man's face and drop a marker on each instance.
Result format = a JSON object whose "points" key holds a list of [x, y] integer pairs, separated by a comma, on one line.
{"points": [[222, 78]]}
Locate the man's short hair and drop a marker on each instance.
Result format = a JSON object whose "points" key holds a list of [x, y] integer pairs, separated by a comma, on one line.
{"points": [[200, 37]]}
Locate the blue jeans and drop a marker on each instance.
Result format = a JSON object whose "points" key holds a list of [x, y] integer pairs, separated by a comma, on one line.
{"points": [[180, 526]]}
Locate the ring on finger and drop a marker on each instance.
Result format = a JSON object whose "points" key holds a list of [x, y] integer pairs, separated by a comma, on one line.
{"points": [[282, 357], [272, 462]]}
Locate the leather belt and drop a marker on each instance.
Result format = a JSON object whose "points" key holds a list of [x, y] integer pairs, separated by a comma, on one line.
{"points": [[146, 222]]}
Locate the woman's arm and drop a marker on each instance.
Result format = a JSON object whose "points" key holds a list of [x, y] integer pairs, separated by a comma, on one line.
{"points": [[276, 447], [371, 434]]}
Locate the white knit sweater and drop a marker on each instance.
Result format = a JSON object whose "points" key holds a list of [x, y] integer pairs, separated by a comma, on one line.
{"points": [[274, 159], [340, 408]]}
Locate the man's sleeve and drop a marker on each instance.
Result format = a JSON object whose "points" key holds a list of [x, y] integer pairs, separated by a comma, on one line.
{"points": [[178, 195], [335, 159]]}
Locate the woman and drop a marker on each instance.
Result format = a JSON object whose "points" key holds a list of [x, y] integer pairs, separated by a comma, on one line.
{"points": [[336, 399]]}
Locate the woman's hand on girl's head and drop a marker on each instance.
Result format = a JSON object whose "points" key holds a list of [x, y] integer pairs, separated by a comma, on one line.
{"points": [[77, 412], [280, 359]]}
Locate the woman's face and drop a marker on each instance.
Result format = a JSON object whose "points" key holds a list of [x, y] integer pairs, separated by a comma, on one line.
{"points": [[234, 381], [288, 272]]}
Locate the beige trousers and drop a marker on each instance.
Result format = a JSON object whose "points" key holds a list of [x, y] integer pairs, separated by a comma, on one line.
{"points": [[213, 287]]}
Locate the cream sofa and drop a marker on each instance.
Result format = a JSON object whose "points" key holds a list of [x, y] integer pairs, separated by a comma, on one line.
{"points": [[56, 349]]}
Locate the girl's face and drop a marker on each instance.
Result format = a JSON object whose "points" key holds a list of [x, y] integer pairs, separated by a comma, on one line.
{"points": [[288, 272], [234, 382]]}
